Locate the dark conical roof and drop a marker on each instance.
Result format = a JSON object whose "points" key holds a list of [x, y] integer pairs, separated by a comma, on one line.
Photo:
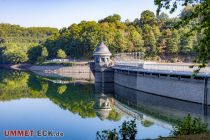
{"points": [[102, 49]]}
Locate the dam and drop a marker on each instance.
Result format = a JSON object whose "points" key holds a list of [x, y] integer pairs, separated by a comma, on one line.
{"points": [[167, 80]]}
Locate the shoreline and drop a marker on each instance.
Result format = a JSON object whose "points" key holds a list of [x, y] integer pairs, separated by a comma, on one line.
{"points": [[24, 67], [75, 71]]}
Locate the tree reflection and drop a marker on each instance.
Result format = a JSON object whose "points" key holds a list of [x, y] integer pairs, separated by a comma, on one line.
{"points": [[14, 85], [77, 98]]}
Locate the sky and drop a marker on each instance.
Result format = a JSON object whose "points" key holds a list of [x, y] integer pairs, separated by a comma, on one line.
{"points": [[63, 13]]}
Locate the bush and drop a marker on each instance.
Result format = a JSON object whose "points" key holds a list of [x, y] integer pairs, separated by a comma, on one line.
{"points": [[70, 64], [127, 131], [107, 135], [189, 126]]}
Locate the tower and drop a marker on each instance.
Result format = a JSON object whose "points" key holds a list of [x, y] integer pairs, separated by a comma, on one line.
{"points": [[103, 64], [102, 57]]}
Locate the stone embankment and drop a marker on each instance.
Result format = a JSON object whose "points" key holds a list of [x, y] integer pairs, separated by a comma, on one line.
{"points": [[75, 71]]}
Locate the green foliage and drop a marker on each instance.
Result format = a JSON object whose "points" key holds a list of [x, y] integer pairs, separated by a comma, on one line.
{"points": [[17, 84], [44, 52], [127, 131], [199, 15], [147, 123], [173, 42], [112, 18], [36, 58], [114, 115], [62, 89], [77, 98], [61, 54], [34, 53], [148, 17], [189, 126], [16, 41], [13, 53], [107, 135], [57, 64], [149, 40], [155, 36], [80, 40]]}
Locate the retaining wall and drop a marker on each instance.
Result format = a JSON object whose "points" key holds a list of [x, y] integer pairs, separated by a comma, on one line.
{"points": [[184, 89], [76, 71]]}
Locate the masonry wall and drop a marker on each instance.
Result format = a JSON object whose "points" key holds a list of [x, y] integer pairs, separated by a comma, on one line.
{"points": [[76, 71], [159, 106], [185, 89], [106, 76]]}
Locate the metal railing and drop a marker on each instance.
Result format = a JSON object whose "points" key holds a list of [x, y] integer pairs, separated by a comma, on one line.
{"points": [[133, 56], [135, 60], [160, 66], [175, 67]]}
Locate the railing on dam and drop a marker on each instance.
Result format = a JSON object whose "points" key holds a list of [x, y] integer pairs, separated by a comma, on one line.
{"points": [[133, 56], [135, 61], [131, 65], [160, 66], [175, 67]]}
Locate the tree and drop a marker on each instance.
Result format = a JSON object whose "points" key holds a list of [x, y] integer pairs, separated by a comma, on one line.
{"points": [[149, 40], [136, 39], [44, 52], [148, 17], [112, 18], [173, 42], [34, 53], [61, 54], [163, 16], [128, 131], [18, 42], [187, 11], [186, 43], [201, 11], [13, 54], [44, 55], [162, 19]]}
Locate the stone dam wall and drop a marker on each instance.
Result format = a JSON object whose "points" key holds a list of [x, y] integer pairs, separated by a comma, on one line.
{"points": [[186, 89], [178, 86], [76, 72]]}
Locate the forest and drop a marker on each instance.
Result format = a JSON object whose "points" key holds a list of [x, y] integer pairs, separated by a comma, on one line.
{"points": [[155, 36]]}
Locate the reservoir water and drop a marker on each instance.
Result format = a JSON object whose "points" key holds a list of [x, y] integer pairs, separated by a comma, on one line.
{"points": [[81, 108]]}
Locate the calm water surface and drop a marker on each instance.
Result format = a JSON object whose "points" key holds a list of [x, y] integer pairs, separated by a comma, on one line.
{"points": [[79, 110]]}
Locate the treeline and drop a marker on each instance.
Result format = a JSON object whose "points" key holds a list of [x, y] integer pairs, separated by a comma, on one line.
{"points": [[16, 41], [153, 35]]}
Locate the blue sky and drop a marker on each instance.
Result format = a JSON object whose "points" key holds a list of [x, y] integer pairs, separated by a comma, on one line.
{"points": [[62, 13]]}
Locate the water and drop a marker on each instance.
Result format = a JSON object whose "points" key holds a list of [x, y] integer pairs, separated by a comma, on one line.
{"points": [[79, 109]]}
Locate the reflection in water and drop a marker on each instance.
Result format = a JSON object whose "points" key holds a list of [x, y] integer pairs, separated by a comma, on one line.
{"points": [[103, 106], [16, 85], [77, 98], [162, 108], [89, 110]]}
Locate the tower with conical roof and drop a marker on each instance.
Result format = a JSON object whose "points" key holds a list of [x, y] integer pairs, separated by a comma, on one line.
{"points": [[103, 64]]}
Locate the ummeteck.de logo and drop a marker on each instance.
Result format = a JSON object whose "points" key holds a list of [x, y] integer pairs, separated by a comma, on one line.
{"points": [[32, 133]]}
